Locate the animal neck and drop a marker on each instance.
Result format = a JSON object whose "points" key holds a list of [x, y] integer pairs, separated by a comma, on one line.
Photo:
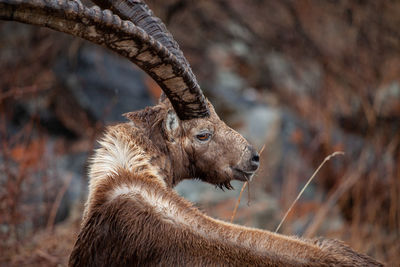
{"points": [[125, 147], [168, 156]]}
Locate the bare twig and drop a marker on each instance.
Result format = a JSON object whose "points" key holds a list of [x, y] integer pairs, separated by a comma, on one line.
{"points": [[17, 92], [305, 186], [241, 192], [57, 202], [351, 179], [238, 201], [43, 254], [261, 150]]}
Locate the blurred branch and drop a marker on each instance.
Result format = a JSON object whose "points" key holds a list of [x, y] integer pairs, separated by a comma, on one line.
{"points": [[349, 181], [57, 202]]}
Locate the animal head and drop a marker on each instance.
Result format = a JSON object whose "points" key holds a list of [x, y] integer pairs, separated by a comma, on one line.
{"points": [[210, 149], [199, 144], [204, 148]]}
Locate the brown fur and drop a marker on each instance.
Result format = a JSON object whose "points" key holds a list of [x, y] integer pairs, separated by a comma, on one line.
{"points": [[127, 231], [134, 217]]}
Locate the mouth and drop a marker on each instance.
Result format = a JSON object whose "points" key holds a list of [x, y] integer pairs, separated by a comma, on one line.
{"points": [[242, 175]]}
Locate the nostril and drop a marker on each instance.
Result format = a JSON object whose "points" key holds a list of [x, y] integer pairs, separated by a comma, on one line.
{"points": [[255, 158], [255, 161]]}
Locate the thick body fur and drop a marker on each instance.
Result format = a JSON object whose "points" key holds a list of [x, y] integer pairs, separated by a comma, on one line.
{"points": [[134, 217]]}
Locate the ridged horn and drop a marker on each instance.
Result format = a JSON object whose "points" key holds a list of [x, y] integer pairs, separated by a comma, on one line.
{"points": [[141, 15], [121, 36]]}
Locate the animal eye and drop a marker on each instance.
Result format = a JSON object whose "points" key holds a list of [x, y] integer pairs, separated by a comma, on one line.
{"points": [[203, 136]]}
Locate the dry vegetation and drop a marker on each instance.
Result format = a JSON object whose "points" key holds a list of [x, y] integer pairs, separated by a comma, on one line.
{"points": [[335, 64]]}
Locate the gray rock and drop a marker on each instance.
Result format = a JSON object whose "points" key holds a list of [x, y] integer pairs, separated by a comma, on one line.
{"points": [[260, 123], [104, 84], [200, 192], [387, 100], [290, 76]]}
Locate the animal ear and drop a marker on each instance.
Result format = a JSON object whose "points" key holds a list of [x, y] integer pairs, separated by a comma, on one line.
{"points": [[130, 115], [171, 124]]}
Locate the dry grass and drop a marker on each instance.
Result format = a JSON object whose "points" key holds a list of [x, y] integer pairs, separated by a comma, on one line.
{"points": [[305, 186], [363, 191]]}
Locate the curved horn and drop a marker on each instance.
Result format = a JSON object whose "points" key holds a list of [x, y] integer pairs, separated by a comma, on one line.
{"points": [[106, 29], [141, 15]]}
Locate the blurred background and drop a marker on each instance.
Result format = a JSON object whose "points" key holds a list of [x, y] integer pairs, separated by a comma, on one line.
{"points": [[304, 78]]}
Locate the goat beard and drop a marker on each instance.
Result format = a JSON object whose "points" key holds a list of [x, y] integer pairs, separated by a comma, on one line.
{"points": [[226, 184], [222, 185], [205, 177]]}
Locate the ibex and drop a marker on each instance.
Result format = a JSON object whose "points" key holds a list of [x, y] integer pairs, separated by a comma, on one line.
{"points": [[133, 216]]}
